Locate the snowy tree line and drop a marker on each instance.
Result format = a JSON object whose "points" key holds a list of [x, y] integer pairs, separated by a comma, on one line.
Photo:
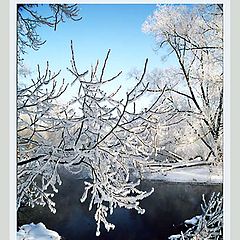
{"points": [[111, 137]]}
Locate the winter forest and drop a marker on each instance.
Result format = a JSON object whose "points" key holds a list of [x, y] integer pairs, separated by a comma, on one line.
{"points": [[120, 121]]}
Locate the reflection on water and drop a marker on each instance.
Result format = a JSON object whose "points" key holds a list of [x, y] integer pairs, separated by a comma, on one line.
{"points": [[171, 203]]}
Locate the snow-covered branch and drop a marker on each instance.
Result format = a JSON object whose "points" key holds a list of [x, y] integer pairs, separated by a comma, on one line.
{"points": [[95, 131]]}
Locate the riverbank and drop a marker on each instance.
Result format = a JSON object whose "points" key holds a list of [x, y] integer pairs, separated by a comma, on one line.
{"points": [[198, 174]]}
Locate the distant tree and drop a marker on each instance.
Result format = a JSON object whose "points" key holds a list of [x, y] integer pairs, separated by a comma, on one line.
{"points": [[193, 105]]}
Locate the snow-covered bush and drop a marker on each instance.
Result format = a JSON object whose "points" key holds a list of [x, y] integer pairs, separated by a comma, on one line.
{"points": [[207, 226]]}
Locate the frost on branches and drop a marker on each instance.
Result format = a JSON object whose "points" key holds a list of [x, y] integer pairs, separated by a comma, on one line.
{"points": [[209, 225], [95, 130], [193, 106]]}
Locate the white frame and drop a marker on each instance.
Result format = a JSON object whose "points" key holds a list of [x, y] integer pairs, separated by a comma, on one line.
{"points": [[12, 99]]}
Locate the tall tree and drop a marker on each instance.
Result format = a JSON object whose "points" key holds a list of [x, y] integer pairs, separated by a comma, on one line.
{"points": [[194, 93]]}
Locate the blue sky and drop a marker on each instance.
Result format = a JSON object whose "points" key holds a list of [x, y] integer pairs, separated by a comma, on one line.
{"points": [[103, 26]]}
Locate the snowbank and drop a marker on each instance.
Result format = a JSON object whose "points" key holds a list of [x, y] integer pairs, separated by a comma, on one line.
{"points": [[36, 232]]}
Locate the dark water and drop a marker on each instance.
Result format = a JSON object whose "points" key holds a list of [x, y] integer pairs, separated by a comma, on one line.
{"points": [[171, 203]]}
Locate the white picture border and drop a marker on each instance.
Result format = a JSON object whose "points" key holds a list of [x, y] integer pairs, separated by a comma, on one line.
{"points": [[12, 100]]}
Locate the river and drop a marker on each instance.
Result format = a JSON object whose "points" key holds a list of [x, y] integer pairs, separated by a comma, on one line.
{"points": [[166, 209]]}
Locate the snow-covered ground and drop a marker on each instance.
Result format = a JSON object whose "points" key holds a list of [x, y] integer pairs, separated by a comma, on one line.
{"points": [[198, 174], [36, 232]]}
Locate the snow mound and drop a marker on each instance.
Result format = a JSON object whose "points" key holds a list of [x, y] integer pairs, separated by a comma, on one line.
{"points": [[193, 221], [36, 232]]}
